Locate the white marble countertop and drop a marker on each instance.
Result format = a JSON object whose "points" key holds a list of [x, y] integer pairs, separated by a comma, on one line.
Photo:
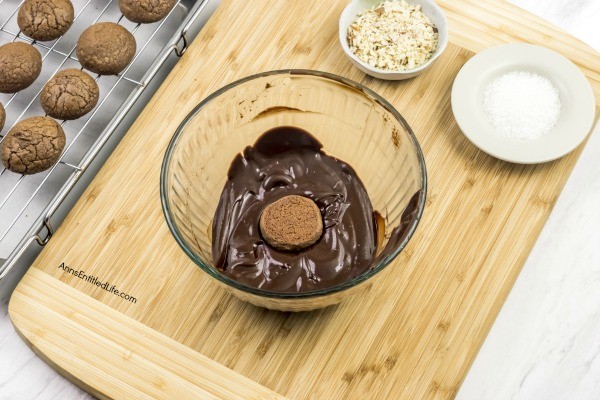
{"points": [[545, 344]]}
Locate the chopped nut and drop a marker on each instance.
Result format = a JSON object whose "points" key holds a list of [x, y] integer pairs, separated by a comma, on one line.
{"points": [[393, 36]]}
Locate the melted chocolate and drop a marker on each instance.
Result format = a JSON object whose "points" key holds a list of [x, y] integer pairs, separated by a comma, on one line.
{"points": [[286, 161]]}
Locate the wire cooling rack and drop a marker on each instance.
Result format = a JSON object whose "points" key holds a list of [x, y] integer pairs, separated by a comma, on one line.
{"points": [[28, 202]]}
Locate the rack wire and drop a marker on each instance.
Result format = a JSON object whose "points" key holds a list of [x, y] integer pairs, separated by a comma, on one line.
{"points": [[28, 199]]}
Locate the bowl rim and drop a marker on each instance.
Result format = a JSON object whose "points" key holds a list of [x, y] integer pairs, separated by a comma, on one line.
{"points": [[442, 45], [212, 271]]}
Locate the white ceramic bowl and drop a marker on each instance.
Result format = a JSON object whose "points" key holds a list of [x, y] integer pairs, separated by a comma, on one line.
{"points": [[576, 95], [429, 7]]}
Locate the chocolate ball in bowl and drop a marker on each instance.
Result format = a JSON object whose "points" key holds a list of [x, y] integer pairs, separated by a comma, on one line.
{"points": [[45, 19], [33, 145], [20, 66], [70, 94], [291, 218], [146, 11], [291, 223], [293, 133], [106, 48]]}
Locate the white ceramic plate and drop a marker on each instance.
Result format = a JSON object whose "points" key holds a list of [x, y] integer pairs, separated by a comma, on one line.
{"points": [[576, 95]]}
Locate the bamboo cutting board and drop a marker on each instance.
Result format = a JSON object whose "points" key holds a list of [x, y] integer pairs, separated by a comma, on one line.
{"points": [[412, 335]]}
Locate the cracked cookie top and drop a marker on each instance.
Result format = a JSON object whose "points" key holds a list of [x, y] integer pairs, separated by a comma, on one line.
{"points": [[106, 48], [45, 19], [20, 66], [70, 94], [33, 145], [145, 11]]}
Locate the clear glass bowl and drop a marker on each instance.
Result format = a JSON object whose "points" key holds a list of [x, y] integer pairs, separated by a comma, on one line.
{"points": [[352, 122]]}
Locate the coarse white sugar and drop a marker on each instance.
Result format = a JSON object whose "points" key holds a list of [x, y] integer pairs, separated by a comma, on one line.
{"points": [[522, 105]]}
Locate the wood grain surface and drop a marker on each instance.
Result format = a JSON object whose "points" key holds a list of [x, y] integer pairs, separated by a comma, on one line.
{"points": [[169, 369], [411, 335]]}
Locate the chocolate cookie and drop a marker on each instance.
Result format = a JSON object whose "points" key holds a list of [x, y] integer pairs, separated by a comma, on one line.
{"points": [[20, 65], [45, 19], [291, 223], [33, 145], [106, 48], [2, 116], [145, 11], [70, 94]]}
